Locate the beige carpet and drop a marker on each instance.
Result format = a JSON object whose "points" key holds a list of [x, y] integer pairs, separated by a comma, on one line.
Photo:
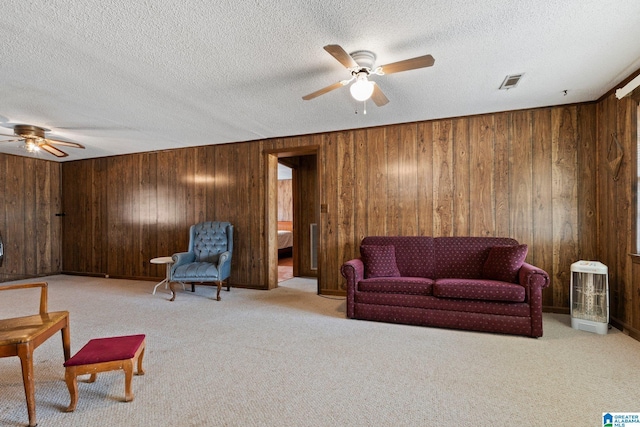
{"points": [[289, 357]]}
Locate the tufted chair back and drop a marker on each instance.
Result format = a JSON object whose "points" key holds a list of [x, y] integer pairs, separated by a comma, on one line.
{"points": [[207, 240]]}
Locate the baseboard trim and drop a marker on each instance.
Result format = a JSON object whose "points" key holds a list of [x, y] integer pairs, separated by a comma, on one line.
{"points": [[558, 310], [625, 328]]}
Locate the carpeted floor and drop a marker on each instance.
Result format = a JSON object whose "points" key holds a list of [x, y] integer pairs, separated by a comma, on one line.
{"points": [[288, 357]]}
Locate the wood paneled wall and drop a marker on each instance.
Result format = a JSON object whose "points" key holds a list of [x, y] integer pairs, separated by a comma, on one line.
{"points": [[513, 174], [526, 174], [30, 198], [122, 211], [307, 212], [616, 209]]}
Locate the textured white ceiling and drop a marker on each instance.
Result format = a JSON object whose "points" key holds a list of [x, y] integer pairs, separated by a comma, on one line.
{"points": [[122, 76]]}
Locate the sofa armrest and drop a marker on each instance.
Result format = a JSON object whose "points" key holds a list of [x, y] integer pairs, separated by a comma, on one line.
{"points": [[531, 276], [534, 280], [353, 271]]}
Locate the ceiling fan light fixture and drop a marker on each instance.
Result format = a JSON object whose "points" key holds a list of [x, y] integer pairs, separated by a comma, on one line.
{"points": [[362, 88], [31, 146]]}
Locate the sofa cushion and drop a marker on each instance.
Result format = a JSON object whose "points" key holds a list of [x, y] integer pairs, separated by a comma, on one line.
{"points": [[464, 257], [397, 285], [486, 290], [504, 262], [379, 261], [415, 255]]}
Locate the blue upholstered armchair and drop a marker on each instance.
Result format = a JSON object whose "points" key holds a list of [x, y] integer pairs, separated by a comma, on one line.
{"points": [[208, 259]]}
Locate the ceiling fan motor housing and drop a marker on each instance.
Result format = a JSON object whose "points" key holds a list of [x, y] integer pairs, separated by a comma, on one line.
{"points": [[364, 58], [29, 131]]}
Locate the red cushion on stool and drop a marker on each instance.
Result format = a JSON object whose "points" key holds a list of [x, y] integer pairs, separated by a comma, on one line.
{"points": [[107, 349]]}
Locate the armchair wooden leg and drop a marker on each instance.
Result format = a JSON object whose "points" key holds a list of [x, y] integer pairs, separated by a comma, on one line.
{"points": [[193, 287], [219, 288], [173, 291]]}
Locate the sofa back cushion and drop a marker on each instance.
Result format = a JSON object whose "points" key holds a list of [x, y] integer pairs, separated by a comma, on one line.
{"points": [[415, 255], [464, 257]]}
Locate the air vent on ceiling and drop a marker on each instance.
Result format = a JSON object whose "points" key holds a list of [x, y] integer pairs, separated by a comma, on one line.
{"points": [[511, 81]]}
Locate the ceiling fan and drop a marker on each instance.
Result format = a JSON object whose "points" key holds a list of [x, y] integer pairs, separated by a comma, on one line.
{"points": [[35, 140], [360, 65]]}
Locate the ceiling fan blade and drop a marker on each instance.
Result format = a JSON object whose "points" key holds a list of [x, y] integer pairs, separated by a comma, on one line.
{"points": [[65, 143], [408, 64], [378, 97], [341, 55], [11, 140], [322, 91], [53, 150]]}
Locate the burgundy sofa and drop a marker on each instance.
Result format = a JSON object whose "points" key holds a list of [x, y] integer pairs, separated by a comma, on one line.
{"points": [[473, 283]]}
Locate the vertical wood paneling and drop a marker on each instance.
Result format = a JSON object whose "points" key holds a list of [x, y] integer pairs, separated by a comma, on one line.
{"points": [[587, 181], [270, 263], [241, 222], [521, 185], [625, 200], [461, 177], [565, 211], [443, 178], [44, 215], [376, 182], [606, 198], [616, 200], [346, 199], [257, 196], [162, 205], [55, 226], [29, 199], [29, 216], [146, 236], [4, 201], [502, 179], [424, 172], [94, 208], [392, 201], [16, 252], [542, 248], [306, 192], [361, 201], [481, 176], [330, 222], [407, 181]]}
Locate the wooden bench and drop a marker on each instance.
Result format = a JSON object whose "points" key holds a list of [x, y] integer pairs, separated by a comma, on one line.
{"points": [[102, 355]]}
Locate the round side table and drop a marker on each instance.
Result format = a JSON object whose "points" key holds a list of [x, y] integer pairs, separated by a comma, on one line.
{"points": [[168, 261]]}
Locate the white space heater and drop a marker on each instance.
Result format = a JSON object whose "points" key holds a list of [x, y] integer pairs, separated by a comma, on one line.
{"points": [[590, 296]]}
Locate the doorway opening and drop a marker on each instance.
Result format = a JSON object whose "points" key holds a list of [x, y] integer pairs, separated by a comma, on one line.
{"points": [[285, 222], [293, 214]]}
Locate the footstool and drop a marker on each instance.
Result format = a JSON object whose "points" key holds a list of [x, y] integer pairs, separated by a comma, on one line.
{"points": [[102, 355]]}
